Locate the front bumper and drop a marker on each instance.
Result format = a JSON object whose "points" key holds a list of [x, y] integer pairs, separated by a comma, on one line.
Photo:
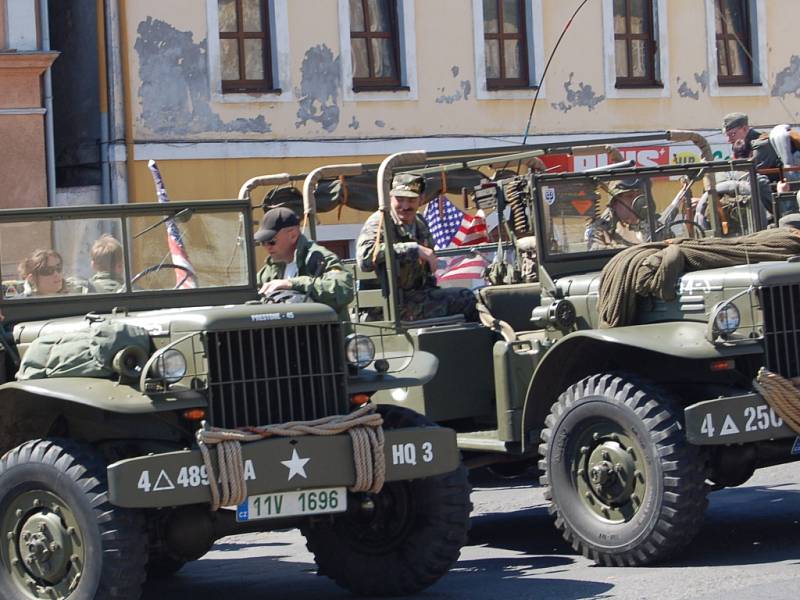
{"points": [[179, 478], [734, 420]]}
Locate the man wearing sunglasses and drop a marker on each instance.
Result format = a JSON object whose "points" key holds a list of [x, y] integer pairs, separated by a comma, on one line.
{"points": [[298, 264]]}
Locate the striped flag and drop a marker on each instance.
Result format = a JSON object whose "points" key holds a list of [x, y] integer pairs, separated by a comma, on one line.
{"points": [[462, 267], [472, 230], [451, 226], [185, 279]]}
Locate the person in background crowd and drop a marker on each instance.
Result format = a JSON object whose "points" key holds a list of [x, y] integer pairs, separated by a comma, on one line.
{"points": [[107, 266], [420, 297], [42, 273]]}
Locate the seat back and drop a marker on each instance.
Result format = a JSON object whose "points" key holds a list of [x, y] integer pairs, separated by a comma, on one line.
{"points": [[512, 303]]}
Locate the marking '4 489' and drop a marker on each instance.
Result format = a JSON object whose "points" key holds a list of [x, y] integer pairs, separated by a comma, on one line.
{"points": [[188, 477]]}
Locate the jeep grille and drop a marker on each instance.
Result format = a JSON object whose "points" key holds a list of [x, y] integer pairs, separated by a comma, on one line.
{"points": [[275, 375], [781, 304]]}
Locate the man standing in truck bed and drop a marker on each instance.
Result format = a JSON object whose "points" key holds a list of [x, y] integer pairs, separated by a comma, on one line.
{"points": [[420, 297], [295, 263]]}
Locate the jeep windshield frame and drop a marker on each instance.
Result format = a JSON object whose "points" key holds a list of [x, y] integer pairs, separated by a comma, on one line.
{"points": [[557, 262], [224, 233]]}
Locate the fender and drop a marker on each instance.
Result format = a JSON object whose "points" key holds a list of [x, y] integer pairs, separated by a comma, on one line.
{"points": [[418, 371], [578, 355], [100, 393]]}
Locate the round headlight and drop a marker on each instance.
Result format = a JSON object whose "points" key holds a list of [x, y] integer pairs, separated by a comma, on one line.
{"points": [[170, 366], [727, 319], [359, 349]]}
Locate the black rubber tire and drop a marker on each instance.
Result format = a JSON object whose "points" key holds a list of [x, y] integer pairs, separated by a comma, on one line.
{"points": [[430, 538], [114, 540], [649, 529]]}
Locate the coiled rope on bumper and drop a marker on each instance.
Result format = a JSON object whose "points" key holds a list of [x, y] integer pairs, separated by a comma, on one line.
{"points": [[781, 394], [228, 487]]}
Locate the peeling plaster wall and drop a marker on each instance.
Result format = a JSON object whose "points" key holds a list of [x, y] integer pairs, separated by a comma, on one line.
{"points": [[173, 101]]}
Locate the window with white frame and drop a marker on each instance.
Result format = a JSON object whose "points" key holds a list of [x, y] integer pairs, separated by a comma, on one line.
{"points": [[636, 53], [248, 50], [508, 47], [737, 51], [378, 49]]}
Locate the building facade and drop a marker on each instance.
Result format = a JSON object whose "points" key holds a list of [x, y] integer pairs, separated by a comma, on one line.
{"points": [[218, 91], [26, 158]]}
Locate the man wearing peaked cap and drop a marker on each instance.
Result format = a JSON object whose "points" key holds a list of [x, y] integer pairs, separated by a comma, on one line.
{"points": [[295, 263], [736, 126], [420, 297]]}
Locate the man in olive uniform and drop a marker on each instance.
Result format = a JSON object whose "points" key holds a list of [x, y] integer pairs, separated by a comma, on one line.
{"points": [[420, 297], [295, 263], [624, 222], [106, 254]]}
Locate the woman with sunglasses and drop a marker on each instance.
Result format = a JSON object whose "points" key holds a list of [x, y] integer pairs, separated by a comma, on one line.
{"points": [[42, 272]]}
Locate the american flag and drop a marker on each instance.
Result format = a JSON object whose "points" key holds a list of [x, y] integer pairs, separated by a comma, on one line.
{"points": [[185, 279], [462, 267], [450, 226]]}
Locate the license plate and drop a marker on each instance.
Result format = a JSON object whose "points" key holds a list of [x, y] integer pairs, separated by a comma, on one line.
{"points": [[292, 504]]}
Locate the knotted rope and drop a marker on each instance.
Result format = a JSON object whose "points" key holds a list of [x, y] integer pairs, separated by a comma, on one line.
{"points": [[781, 394], [364, 426]]}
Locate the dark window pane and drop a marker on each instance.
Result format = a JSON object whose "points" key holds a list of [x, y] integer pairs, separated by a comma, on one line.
{"points": [[722, 59], [229, 57], [380, 18], [251, 15], [511, 16], [254, 59], [739, 62], [383, 57], [621, 58], [358, 50], [513, 59], [639, 15], [619, 16], [639, 58], [356, 15], [733, 11], [490, 16], [492, 59], [226, 9]]}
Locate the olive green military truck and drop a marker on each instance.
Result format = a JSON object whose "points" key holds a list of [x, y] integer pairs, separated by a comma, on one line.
{"points": [[637, 418], [138, 426]]}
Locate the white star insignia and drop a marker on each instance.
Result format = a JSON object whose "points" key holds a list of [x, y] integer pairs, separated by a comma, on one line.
{"points": [[296, 465]]}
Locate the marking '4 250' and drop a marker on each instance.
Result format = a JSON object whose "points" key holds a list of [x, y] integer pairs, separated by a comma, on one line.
{"points": [[756, 418]]}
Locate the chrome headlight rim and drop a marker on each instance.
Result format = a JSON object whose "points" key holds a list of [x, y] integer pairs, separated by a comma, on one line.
{"points": [[359, 350], [726, 319], [170, 366]]}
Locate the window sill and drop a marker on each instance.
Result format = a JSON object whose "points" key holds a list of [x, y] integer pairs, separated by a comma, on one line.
{"points": [[269, 92], [657, 85], [510, 88], [389, 88]]}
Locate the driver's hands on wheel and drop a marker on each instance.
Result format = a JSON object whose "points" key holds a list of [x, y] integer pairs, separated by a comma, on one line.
{"points": [[274, 286]]}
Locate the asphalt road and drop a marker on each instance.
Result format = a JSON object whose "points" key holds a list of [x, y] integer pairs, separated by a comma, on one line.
{"points": [[749, 548]]}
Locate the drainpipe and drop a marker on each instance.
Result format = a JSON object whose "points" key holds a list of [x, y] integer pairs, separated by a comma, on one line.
{"points": [[102, 78], [49, 145]]}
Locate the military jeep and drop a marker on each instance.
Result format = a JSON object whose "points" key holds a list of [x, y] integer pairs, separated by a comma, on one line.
{"points": [[106, 477], [634, 423]]}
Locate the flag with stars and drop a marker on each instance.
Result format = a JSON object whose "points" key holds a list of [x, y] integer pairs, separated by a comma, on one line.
{"points": [[444, 220]]}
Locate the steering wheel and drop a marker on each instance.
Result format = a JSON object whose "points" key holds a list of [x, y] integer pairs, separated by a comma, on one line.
{"points": [[155, 268], [697, 231]]}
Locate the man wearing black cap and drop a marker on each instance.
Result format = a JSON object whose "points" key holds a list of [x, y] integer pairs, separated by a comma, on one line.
{"points": [[295, 263], [420, 297]]}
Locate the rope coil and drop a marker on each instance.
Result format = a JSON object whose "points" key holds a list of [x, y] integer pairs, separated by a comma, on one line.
{"points": [[781, 395], [228, 486]]}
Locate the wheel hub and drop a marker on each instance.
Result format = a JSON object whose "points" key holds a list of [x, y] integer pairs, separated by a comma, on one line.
{"points": [[609, 472], [43, 546]]}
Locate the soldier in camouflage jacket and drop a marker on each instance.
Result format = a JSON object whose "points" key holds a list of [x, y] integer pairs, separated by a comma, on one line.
{"points": [[420, 297]]}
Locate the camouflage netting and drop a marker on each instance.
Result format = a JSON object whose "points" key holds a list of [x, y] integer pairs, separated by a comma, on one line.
{"points": [[361, 193], [654, 269]]}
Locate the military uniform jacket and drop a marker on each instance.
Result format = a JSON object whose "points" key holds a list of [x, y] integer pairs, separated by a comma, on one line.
{"points": [[320, 275], [104, 282], [412, 274]]}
